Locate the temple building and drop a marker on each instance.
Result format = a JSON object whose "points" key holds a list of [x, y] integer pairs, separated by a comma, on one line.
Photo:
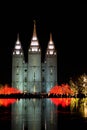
{"points": [[34, 76]]}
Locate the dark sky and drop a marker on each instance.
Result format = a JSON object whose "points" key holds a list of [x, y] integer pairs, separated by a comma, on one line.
{"points": [[68, 25]]}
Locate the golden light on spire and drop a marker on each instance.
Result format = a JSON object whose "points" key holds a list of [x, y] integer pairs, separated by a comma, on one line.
{"points": [[18, 37], [34, 31], [18, 47], [34, 46], [18, 41], [50, 37], [51, 47]]}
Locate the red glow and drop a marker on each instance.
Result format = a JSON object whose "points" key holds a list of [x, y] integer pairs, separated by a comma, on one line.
{"points": [[8, 90], [64, 102], [7, 102], [63, 89]]}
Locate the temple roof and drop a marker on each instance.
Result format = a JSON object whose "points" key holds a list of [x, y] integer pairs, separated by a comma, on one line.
{"points": [[18, 48], [34, 45], [51, 47]]}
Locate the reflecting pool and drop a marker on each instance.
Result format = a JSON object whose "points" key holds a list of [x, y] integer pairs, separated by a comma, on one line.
{"points": [[43, 114]]}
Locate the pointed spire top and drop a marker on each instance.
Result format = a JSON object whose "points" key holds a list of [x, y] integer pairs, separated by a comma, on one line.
{"points": [[34, 45], [18, 40], [51, 47], [50, 36], [18, 48], [34, 21], [18, 37], [34, 31]]}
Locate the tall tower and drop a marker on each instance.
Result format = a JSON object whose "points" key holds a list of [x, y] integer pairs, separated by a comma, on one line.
{"points": [[51, 65], [34, 64], [17, 65]]}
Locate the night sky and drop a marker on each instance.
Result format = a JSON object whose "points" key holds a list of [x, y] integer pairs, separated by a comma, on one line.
{"points": [[68, 26]]}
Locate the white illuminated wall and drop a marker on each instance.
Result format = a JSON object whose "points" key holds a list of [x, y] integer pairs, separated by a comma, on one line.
{"points": [[17, 66], [34, 76], [26, 115], [51, 65]]}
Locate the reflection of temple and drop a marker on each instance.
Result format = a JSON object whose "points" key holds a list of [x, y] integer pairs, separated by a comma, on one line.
{"points": [[49, 115], [33, 114], [34, 76], [26, 115]]}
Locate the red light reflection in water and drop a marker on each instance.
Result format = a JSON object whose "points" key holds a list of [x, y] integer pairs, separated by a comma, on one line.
{"points": [[64, 102], [7, 102], [8, 90]]}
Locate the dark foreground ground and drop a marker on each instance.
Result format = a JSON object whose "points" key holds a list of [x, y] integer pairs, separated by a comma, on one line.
{"points": [[38, 95]]}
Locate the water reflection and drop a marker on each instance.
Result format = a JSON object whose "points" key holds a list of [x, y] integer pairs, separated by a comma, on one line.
{"points": [[33, 114], [79, 105], [45, 114], [64, 102], [6, 102]]}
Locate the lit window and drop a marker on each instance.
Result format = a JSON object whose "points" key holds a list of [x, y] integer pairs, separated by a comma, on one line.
{"points": [[51, 47], [29, 49], [34, 38], [51, 70], [39, 49], [55, 53], [47, 53], [17, 52], [34, 43], [51, 42], [21, 53], [17, 71], [51, 52], [18, 42], [13, 53], [17, 47], [34, 49]]}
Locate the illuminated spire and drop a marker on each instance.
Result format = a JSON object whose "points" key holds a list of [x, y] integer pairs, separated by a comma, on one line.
{"points": [[34, 46], [18, 48], [50, 37], [18, 37], [51, 47], [34, 31]]}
